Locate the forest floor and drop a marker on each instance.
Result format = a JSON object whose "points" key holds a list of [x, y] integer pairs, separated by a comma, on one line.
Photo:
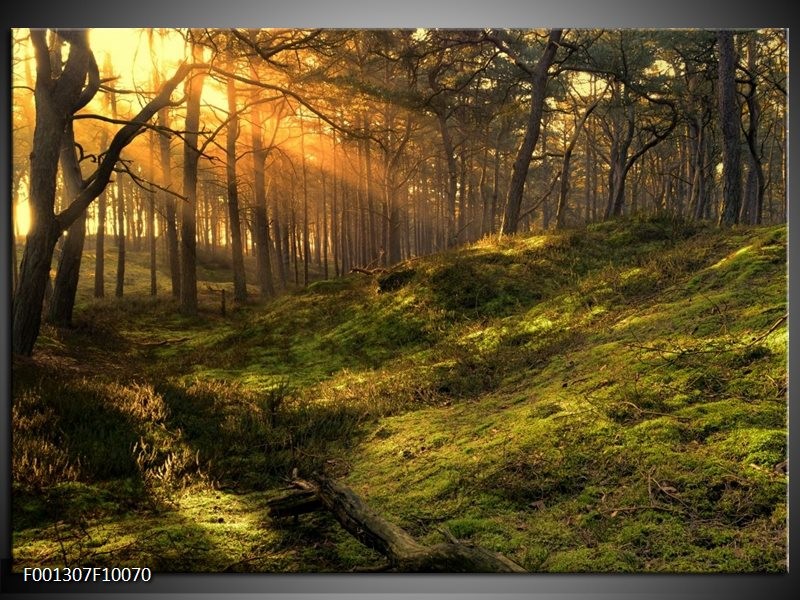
{"points": [[604, 399]]}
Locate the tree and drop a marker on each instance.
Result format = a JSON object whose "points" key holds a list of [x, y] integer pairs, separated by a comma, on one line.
{"points": [[641, 114], [58, 93], [58, 98], [239, 282], [119, 289], [695, 93], [170, 209], [100, 238], [753, 202], [537, 76], [260, 220], [565, 166], [730, 123], [69, 264], [392, 144], [191, 156]]}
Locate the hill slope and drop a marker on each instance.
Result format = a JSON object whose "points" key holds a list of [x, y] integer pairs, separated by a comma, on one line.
{"points": [[610, 399]]}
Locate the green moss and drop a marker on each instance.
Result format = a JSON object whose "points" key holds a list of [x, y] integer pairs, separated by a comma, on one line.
{"points": [[605, 399], [593, 560], [763, 447]]}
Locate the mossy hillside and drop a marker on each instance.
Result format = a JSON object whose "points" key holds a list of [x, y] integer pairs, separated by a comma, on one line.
{"points": [[644, 423], [603, 399]]}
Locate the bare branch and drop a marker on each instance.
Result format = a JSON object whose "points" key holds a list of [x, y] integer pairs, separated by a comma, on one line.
{"points": [[99, 179], [146, 184]]}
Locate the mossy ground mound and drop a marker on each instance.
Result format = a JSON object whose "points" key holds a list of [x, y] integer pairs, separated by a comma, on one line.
{"points": [[609, 399]]}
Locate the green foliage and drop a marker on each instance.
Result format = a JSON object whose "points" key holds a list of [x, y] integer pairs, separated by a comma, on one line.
{"points": [[608, 399]]}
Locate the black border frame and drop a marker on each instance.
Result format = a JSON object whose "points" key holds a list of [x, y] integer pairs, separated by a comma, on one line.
{"points": [[387, 13]]}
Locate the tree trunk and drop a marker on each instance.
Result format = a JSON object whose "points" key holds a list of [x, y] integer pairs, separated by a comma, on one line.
{"points": [[753, 204], [151, 229], [169, 206], [66, 282], [239, 282], [281, 253], [587, 179], [564, 183], [697, 195], [304, 170], [100, 238], [620, 145], [295, 248], [13, 228], [120, 285], [346, 238], [69, 264], [452, 179], [317, 236], [324, 224], [496, 182], [463, 199], [135, 218], [730, 124], [55, 100], [522, 163], [334, 201], [372, 228], [205, 221], [194, 86], [260, 220], [120, 205]]}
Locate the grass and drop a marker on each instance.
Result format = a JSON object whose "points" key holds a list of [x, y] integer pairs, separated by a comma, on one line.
{"points": [[606, 399]]}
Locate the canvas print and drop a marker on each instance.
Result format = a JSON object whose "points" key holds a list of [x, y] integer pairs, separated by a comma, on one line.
{"points": [[399, 300]]}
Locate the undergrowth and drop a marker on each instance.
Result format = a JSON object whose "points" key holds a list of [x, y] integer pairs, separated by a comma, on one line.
{"points": [[605, 399]]}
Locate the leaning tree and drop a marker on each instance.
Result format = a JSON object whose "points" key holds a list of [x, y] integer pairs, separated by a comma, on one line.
{"points": [[59, 94]]}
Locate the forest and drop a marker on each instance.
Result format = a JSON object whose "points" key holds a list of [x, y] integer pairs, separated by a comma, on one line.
{"points": [[399, 300]]}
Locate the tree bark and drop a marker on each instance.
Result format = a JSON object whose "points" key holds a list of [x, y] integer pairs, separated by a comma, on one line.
{"points": [[120, 205], [13, 228], [170, 207], [403, 552], [753, 204], [324, 223], [697, 194], [281, 250], [730, 124], [239, 282], [522, 162], [120, 286], [452, 178], [498, 155], [334, 201], [151, 219], [100, 237], [370, 227], [304, 170], [194, 86], [69, 264], [260, 220]]}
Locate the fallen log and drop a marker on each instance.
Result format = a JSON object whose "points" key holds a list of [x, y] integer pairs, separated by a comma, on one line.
{"points": [[402, 551], [294, 504]]}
